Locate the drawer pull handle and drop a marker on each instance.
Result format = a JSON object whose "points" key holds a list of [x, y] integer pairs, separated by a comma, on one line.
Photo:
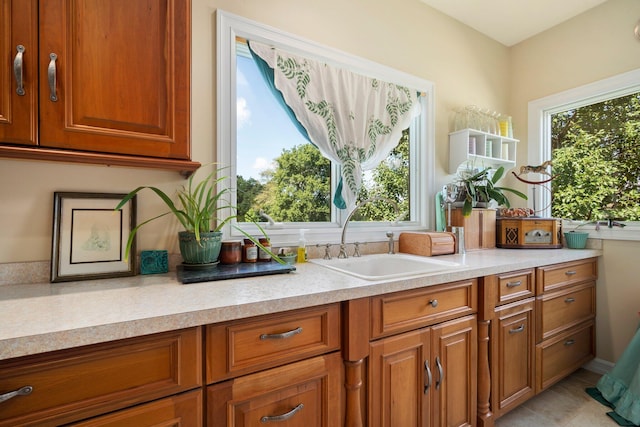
{"points": [[440, 373], [281, 336], [570, 273], [17, 70], [569, 342], [283, 417], [570, 300], [19, 392], [433, 303], [514, 284], [427, 371], [51, 76], [516, 330]]}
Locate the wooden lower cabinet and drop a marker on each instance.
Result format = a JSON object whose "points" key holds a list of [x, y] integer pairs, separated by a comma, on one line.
{"points": [[425, 377], [306, 393], [513, 350], [80, 383], [531, 337]]}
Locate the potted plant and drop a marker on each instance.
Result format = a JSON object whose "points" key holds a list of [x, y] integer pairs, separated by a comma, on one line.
{"points": [[481, 187], [198, 208]]}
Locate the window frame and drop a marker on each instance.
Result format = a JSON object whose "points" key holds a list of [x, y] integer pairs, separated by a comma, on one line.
{"points": [[539, 134], [422, 161]]}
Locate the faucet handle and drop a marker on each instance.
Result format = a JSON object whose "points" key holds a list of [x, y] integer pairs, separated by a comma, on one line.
{"points": [[343, 251], [356, 250]]}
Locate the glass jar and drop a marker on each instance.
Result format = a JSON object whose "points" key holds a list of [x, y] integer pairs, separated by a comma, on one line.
{"points": [[250, 251], [231, 252], [264, 256]]}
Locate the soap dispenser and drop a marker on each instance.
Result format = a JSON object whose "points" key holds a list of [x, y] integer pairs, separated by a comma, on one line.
{"points": [[302, 246]]}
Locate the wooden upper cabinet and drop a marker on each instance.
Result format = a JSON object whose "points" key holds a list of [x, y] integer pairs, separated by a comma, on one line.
{"points": [[105, 82], [120, 79], [19, 71]]}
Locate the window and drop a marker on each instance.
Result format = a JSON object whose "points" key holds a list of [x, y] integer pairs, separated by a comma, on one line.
{"points": [[413, 160], [540, 121], [596, 160]]}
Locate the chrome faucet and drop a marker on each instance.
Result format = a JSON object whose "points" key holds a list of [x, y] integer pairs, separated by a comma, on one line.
{"points": [[343, 250]]}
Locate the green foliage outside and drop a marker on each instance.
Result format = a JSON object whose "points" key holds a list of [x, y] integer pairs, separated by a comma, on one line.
{"points": [[596, 161], [298, 188]]}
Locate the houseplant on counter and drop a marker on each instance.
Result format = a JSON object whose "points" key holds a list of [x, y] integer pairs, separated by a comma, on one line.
{"points": [[481, 187], [198, 208]]}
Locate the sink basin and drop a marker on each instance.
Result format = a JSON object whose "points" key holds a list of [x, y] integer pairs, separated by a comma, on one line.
{"points": [[386, 266]]}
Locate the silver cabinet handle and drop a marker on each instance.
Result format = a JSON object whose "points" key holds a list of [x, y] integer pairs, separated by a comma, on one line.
{"points": [[433, 303], [283, 417], [440, 373], [516, 330], [19, 392], [427, 372], [283, 335], [569, 300], [51, 74], [570, 273], [514, 284], [569, 342], [17, 70]]}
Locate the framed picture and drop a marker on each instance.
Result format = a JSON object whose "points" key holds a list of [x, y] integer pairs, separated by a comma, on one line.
{"points": [[90, 236]]}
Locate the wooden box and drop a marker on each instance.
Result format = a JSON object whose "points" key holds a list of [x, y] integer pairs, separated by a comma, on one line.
{"points": [[479, 227], [426, 243]]}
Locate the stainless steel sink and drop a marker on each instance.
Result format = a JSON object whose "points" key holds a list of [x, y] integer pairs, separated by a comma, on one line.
{"points": [[386, 266]]}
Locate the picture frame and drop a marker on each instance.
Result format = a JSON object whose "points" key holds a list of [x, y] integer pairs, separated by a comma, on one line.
{"points": [[90, 236]]}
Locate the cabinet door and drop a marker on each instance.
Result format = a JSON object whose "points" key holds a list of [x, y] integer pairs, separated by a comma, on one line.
{"points": [[454, 351], [19, 47], [114, 76], [514, 350], [401, 380], [306, 393]]}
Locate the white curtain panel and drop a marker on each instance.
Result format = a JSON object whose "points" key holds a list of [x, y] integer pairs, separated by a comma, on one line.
{"points": [[354, 120]]}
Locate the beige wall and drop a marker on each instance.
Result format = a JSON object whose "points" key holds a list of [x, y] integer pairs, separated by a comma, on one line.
{"points": [[593, 46], [466, 67]]}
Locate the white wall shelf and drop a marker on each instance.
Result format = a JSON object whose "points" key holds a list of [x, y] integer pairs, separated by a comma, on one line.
{"points": [[470, 148]]}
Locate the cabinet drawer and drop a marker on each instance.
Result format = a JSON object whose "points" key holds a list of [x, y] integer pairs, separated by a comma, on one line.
{"points": [[561, 355], [566, 308], [306, 393], [184, 410], [247, 345], [79, 383], [406, 310], [556, 276], [515, 286]]}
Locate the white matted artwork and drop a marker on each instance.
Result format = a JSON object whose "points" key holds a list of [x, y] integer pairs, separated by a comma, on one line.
{"points": [[89, 236]]}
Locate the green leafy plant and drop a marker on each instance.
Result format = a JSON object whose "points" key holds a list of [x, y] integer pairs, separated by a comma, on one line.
{"points": [[198, 208], [481, 186]]}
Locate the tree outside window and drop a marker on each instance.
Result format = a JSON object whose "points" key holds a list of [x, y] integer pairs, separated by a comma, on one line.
{"points": [[596, 161]]}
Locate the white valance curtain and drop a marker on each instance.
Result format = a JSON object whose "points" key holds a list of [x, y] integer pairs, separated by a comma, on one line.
{"points": [[354, 120]]}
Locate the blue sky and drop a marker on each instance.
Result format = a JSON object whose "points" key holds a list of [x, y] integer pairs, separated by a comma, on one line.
{"points": [[264, 129]]}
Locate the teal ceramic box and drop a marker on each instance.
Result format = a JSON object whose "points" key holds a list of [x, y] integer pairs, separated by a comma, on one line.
{"points": [[154, 262]]}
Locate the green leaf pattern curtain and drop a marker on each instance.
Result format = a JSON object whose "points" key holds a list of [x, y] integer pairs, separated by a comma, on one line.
{"points": [[354, 120]]}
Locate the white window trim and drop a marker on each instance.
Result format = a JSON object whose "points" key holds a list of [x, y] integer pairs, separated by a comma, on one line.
{"points": [[539, 146], [229, 27]]}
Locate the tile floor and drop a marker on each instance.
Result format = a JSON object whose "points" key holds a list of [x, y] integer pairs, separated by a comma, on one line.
{"points": [[565, 404]]}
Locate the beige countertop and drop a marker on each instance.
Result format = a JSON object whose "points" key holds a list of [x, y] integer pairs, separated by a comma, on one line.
{"points": [[36, 318]]}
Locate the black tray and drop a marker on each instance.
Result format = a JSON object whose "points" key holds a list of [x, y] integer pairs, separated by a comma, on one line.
{"points": [[192, 274]]}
